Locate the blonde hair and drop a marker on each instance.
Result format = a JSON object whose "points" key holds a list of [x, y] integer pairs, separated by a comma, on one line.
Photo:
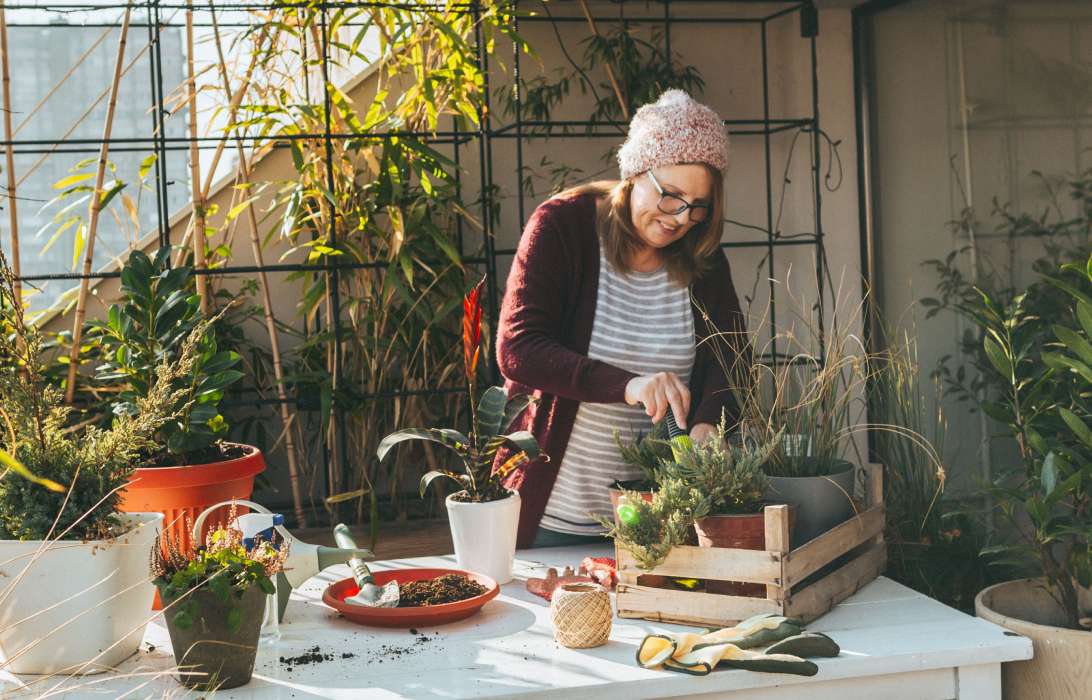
{"points": [[686, 259]]}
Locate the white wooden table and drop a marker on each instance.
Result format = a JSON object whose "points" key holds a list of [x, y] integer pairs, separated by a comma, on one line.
{"points": [[896, 645]]}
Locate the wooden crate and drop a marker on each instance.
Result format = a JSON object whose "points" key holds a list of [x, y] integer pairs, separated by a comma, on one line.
{"points": [[780, 568]]}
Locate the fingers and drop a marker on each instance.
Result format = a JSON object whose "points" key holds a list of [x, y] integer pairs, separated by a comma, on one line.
{"points": [[660, 393]]}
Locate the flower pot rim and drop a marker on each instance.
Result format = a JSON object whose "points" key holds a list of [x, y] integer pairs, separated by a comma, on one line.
{"points": [[150, 516], [1039, 627], [846, 466], [191, 475], [451, 502], [251, 451]]}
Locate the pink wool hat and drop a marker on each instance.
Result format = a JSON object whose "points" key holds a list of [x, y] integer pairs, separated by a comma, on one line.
{"points": [[674, 129]]}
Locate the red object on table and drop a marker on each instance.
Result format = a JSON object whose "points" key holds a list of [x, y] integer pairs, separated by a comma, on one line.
{"points": [[603, 569], [336, 593], [600, 570]]}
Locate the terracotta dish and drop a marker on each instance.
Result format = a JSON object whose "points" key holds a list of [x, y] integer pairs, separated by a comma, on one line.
{"points": [[336, 593]]}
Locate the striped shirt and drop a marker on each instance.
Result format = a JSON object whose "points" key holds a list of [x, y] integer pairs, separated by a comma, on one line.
{"points": [[644, 324]]}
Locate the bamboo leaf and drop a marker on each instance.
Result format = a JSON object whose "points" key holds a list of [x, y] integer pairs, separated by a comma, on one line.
{"points": [[16, 466]]}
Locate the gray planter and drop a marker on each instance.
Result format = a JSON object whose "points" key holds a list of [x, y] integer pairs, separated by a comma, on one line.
{"points": [[822, 501]]}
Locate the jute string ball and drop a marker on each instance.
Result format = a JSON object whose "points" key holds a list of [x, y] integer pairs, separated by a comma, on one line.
{"points": [[581, 614]]}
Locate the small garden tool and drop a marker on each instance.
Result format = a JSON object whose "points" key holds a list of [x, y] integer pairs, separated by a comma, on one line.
{"points": [[304, 559], [676, 436], [370, 594]]}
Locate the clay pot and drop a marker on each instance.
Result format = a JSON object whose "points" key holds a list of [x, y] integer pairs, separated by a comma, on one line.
{"points": [[210, 656], [1062, 666], [747, 531]]}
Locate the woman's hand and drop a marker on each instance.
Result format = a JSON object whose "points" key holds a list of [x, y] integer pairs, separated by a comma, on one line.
{"points": [[658, 392], [702, 432]]}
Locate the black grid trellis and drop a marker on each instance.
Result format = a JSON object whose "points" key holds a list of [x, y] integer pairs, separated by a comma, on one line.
{"points": [[153, 17]]}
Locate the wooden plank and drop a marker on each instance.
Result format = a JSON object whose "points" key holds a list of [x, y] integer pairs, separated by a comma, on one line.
{"points": [[816, 599], [874, 494], [982, 682], [809, 558], [777, 539], [688, 607], [718, 563]]}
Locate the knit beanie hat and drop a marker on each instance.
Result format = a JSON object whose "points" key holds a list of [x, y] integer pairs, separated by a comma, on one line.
{"points": [[674, 129]]}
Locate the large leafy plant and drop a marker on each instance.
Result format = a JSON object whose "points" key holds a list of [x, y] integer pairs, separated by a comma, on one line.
{"points": [[1046, 404], [74, 473], [224, 566], [495, 411], [161, 308]]}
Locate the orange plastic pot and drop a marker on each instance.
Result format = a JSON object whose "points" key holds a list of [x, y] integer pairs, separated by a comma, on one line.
{"points": [[181, 493]]}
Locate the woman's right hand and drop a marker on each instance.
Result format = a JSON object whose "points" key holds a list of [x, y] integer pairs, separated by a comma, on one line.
{"points": [[658, 392]]}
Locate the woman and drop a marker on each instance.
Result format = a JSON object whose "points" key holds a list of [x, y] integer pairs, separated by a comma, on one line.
{"points": [[611, 293]]}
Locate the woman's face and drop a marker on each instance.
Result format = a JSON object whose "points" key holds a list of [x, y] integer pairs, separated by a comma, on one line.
{"points": [[690, 182]]}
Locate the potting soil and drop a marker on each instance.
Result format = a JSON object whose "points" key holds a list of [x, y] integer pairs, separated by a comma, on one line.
{"points": [[449, 588]]}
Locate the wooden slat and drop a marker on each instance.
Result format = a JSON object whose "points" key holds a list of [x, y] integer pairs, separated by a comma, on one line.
{"points": [[806, 560], [688, 607], [777, 539], [721, 564], [821, 596]]}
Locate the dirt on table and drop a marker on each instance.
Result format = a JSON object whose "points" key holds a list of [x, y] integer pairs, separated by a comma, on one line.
{"points": [[449, 588]]}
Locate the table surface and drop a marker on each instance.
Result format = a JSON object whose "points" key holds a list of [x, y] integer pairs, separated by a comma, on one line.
{"points": [[508, 649]]}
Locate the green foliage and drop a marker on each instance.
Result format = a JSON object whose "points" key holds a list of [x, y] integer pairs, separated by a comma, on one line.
{"points": [[1045, 403], [224, 566], [160, 310], [91, 463], [646, 452], [660, 524], [731, 476], [477, 452]]}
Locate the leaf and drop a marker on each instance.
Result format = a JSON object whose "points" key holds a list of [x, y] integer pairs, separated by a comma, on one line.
{"points": [[444, 436], [72, 180], [516, 405], [1048, 476], [1074, 342], [997, 357], [146, 165], [16, 466], [491, 411], [431, 476], [1078, 426], [524, 440]]}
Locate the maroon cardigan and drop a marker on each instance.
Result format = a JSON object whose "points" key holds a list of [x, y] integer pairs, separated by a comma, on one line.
{"points": [[545, 328]]}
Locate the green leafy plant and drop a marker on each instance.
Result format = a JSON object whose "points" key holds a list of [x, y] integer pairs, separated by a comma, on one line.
{"points": [[89, 464], [647, 452], [731, 476], [654, 527], [224, 566], [160, 310], [1045, 405], [489, 416]]}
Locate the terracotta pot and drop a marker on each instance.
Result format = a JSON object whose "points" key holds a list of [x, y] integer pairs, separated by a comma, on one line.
{"points": [[746, 531], [181, 493], [210, 656], [1062, 666], [650, 580]]}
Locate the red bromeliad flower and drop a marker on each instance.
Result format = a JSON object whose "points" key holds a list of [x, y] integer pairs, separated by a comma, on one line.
{"points": [[472, 330]]}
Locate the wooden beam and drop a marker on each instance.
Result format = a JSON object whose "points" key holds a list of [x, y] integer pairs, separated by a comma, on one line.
{"points": [[777, 539], [688, 607], [721, 564], [816, 599], [197, 221], [9, 152], [809, 558]]}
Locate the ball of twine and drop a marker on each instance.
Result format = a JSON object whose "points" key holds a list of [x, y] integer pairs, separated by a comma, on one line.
{"points": [[581, 614]]}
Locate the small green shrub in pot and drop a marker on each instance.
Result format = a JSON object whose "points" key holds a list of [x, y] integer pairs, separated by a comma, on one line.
{"points": [[160, 309], [646, 452], [652, 528], [215, 599]]}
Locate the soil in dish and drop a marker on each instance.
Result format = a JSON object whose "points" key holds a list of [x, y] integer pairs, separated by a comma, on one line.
{"points": [[449, 588]]}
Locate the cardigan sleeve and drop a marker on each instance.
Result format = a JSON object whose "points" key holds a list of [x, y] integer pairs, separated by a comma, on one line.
{"points": [[722, 345], [531, 329]]}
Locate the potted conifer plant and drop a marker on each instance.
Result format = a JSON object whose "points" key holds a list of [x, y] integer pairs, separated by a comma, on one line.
{"points": [[650, 528], [484, 514], [73, 570], [731, 477], [190, 466], [215, 598], [646, 452]]}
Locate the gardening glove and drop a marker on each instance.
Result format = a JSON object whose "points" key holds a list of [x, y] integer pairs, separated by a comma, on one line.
{"points": [[785, 656], [756, 631]]}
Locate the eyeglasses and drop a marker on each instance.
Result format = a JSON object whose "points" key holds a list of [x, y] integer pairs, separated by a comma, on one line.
{"points": [[675, 205]]}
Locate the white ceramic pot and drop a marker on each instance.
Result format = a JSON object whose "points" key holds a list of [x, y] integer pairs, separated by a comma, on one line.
{"points": [[78, 607], [1062, 666], [484, 535]]}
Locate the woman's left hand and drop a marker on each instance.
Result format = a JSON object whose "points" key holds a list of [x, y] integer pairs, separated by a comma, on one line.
{"points": [[701, 432]]}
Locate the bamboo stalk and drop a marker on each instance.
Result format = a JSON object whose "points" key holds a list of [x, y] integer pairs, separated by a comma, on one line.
{"points": [[93, 222], [610, 69], [13, 216], [198, 216], [287, 415]]}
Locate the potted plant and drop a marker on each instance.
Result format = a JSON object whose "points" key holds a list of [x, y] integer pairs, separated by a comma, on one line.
{"points": [[214, 601], [1046, 407], [650, 529], [73, 570], [484, 514], [646, 451], [732, 479], [190, 466]]}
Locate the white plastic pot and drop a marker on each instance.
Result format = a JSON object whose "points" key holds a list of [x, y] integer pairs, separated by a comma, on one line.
{"points": [[484, 535], [78, 607]]}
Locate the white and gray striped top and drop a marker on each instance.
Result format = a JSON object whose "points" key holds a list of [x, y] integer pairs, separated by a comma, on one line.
{"points": [[644, 324]]}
